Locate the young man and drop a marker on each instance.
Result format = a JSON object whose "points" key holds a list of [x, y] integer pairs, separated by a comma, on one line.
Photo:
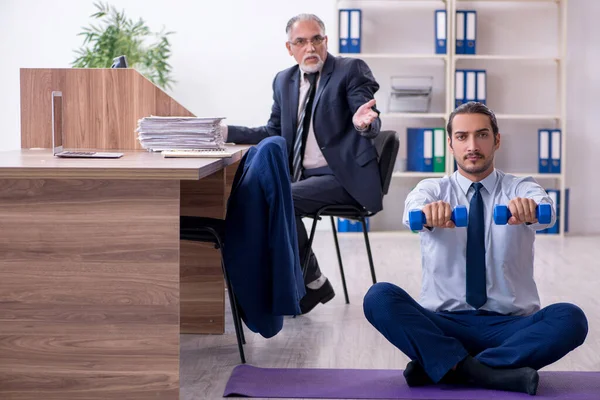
{"points": [[478, 320], [322, 107]]}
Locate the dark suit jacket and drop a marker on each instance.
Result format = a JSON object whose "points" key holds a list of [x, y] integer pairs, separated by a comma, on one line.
{"points": [[345, 85], [260, 250]]}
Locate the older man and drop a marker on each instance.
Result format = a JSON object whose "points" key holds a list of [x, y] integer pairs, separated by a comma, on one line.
{"points": [[324, 107]]}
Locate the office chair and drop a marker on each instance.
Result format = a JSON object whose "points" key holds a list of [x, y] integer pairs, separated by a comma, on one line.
{"points": [[212, 230], [387, 145]]}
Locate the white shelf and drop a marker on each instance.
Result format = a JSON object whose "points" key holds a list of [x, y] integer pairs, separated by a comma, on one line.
{"points": [[536, 175], [414, 115], [506, 57], [399, 56], [533, 117], [414, 174], [432, 2], [509, 1], [556, 59]]}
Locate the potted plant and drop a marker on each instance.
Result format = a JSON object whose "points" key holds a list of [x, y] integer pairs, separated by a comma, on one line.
{"points": [[118, 35]]}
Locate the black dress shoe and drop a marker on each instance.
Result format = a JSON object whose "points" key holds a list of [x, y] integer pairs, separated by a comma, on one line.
{"points": [[315, 296], [415, 375]]}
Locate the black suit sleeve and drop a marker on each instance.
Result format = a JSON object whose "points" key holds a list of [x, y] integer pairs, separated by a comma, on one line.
{"points": [[361, 89], [245, 135]]}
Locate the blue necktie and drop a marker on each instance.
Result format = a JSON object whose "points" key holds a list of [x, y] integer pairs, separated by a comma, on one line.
{"points": [[476, 290], [302, 131]]}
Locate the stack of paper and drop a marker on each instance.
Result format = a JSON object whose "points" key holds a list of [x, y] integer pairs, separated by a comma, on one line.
{"points": [[172, 133]]}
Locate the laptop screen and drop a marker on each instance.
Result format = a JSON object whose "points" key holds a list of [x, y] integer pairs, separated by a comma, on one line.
{"points": [[57, 122]]}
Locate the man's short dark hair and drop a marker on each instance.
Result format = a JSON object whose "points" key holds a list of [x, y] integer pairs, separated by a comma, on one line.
{"points": [[473, 107]]}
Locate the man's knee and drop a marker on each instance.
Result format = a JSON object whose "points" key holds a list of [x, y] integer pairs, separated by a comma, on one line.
{"points": [[379, 297], [573, 319]]}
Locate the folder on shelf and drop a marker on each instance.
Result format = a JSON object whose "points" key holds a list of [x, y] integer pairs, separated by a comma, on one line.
{"points": [[543, 151], [460, 31], [554, 196], [566, 218], [470, 85], [440, 32], [344, 24], [470, 31], [555, 151], [481, 86], [439, 150], [459, 87], [562, 213], [355, 31], [419, 149]]}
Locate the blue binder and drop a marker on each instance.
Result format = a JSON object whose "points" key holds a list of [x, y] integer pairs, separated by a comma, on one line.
{"points": [[460, 31], [543, 151], [481, 90], [440, 32], [459, 87], [470, 31], [562, 213], [344, 30], [355, 32], [470, 85], [347, 225], [419, 149], [350, 23], [555, 151]]}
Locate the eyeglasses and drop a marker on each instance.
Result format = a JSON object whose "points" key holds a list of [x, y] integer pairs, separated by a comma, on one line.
{"points": [[301, 42]]}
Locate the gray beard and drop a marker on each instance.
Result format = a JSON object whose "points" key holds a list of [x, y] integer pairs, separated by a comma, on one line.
{"points": [[309, 69]]}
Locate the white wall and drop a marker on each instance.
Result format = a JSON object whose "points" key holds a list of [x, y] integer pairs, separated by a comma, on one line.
{"points": [[226, 53]]}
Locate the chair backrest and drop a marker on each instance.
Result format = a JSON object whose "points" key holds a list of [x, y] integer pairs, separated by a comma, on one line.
{"points": [[387, 145]]}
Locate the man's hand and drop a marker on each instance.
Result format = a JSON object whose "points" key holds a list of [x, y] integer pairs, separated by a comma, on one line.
{"points": [[522, 210], [438, 215], [364, 116]]}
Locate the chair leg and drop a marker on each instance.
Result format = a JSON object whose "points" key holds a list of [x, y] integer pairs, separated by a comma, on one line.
{"points": [[309, 246], [367, 243], [239, 333], [339, 256]]}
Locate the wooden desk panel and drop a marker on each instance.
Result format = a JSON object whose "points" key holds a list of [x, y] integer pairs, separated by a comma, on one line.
{"points": [[101, 106], [89, 287], [202, 284]]}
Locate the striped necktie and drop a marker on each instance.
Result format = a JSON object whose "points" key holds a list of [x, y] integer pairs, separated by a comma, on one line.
{"points": [[302, 130]]}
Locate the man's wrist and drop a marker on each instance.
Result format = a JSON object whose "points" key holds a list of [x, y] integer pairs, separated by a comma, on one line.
{"points": [[366, 128]]}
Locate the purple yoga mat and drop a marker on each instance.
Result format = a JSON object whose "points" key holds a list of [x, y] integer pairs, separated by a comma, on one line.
{"points": [[249, 381]]}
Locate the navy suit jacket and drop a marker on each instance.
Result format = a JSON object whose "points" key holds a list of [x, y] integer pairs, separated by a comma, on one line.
{"points": [[345, 85], [261, 250]]}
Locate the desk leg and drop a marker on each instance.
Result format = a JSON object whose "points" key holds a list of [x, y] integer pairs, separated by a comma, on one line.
{"points": [[202, 284], [89, 289]]}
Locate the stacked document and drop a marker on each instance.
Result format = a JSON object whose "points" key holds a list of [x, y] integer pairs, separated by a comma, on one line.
{"points": [[180, 133]]}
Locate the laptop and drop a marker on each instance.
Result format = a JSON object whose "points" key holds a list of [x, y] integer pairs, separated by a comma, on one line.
{"points": [[57, 134]]}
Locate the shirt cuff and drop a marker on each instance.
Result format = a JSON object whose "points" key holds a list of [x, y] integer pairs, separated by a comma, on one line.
{"points": [[365, 129]]}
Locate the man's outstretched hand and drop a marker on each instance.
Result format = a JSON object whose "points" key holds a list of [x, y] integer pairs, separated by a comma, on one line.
{"points": [[364, 116]]}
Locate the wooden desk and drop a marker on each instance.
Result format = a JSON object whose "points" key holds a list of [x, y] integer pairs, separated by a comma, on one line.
{"points": [[95, 286]]}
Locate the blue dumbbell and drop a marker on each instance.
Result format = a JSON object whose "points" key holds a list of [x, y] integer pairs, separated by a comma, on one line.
{"points": [[416, 218], [543, 213]]}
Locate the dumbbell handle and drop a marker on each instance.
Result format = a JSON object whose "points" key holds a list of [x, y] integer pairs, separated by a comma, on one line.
{"points": [[543, 213], [417, 218]]}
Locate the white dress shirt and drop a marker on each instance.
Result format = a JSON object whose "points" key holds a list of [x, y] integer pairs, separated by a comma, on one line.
{"points": [[313, 156], [509, 249]]}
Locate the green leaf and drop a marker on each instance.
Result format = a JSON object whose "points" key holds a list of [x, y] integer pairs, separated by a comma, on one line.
{"points": [[114, 34]]}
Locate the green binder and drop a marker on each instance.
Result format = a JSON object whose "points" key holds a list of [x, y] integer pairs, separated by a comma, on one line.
{"points": [[439, 150]]}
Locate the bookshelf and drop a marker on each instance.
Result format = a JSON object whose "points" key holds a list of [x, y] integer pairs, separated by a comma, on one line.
{"points": [[522, 120]]}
